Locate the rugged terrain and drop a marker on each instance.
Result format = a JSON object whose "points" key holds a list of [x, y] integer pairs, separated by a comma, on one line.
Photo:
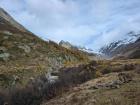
{"points": [[38, 72], [23, 55], [119, 85]]}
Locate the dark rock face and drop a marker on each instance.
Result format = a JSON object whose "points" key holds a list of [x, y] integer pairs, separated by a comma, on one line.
{"points": [[135, 54]]}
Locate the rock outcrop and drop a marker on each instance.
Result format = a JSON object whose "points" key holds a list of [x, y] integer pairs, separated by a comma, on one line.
{"points": [[24, 54]]}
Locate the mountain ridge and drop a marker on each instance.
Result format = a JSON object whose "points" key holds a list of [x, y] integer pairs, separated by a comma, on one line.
{"points": [[6, 16], [68, 45], [127, 48]]}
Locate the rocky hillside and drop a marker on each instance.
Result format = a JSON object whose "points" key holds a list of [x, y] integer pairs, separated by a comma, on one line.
{"points": [[126, 48], [24, 55], [38, 72]]}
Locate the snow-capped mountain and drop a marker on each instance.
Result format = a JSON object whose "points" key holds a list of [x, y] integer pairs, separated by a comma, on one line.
{"points": [[125, 47]]}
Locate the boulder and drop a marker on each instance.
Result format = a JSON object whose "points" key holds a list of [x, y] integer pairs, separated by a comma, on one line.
{"points": [[65, 44], [4, 56], [2, 49], [7, 33], [112, 85], [26, 48], [6, 37]]}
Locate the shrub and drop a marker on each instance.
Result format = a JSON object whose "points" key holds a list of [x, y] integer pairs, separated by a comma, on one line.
{"points": [[106, 71], [2, 100], [128, 67], [25, 96], [98, 74], [138, 69], [41, 88], [119, 68]]}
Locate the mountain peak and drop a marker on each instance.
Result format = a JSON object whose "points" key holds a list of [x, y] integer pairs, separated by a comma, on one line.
{"points": [[127, 47], [65, 44], [68, 45]]}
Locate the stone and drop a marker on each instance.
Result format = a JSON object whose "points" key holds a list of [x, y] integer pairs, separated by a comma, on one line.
{"points": [[15, 79], [65, 44], [51, 78], [2, 49], [4, 56], [6, 37], [111, 85], [7, 33], [26, 48]]}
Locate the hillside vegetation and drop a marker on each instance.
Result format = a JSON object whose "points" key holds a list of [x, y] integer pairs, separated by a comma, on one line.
{"points": [[24, 55]]}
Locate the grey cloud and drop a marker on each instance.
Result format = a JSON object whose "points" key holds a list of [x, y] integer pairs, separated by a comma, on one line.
{"points": [[91, 23]]}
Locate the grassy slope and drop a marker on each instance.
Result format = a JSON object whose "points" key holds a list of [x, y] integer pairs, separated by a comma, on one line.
{"points": [[84, 94], [42, 56]]}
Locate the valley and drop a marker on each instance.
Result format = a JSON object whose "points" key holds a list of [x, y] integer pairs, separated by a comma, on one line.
{"points": [[38, 72]]}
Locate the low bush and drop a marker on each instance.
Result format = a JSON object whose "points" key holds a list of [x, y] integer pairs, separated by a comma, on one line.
{"points": [[128, 67], [106, 71], [2, 99], [137, 70], [25, 96], [41, 88]]}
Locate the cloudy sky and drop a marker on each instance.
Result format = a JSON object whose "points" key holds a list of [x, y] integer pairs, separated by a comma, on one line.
{"points": [[90, 23]]}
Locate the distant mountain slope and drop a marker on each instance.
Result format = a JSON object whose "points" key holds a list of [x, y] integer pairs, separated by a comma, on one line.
{"points": [[7, 17], [128, 48], [24, 55], [68, 45]]}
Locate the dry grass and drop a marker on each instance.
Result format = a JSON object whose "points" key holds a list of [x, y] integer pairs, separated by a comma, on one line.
{"points": [[43, 55], [127, 94]]}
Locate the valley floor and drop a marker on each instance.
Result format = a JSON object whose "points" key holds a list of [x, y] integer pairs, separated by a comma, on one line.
{"points": [[105, 90]]}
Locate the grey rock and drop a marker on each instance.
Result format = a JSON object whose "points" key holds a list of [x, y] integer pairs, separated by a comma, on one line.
{"points": [[65, 44], [4, 56], [7, 33], [51, 78], [115, 84], [2, 49], [111, 85], [6, 37], [26, 48], [15, 80], [31, 44]]}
